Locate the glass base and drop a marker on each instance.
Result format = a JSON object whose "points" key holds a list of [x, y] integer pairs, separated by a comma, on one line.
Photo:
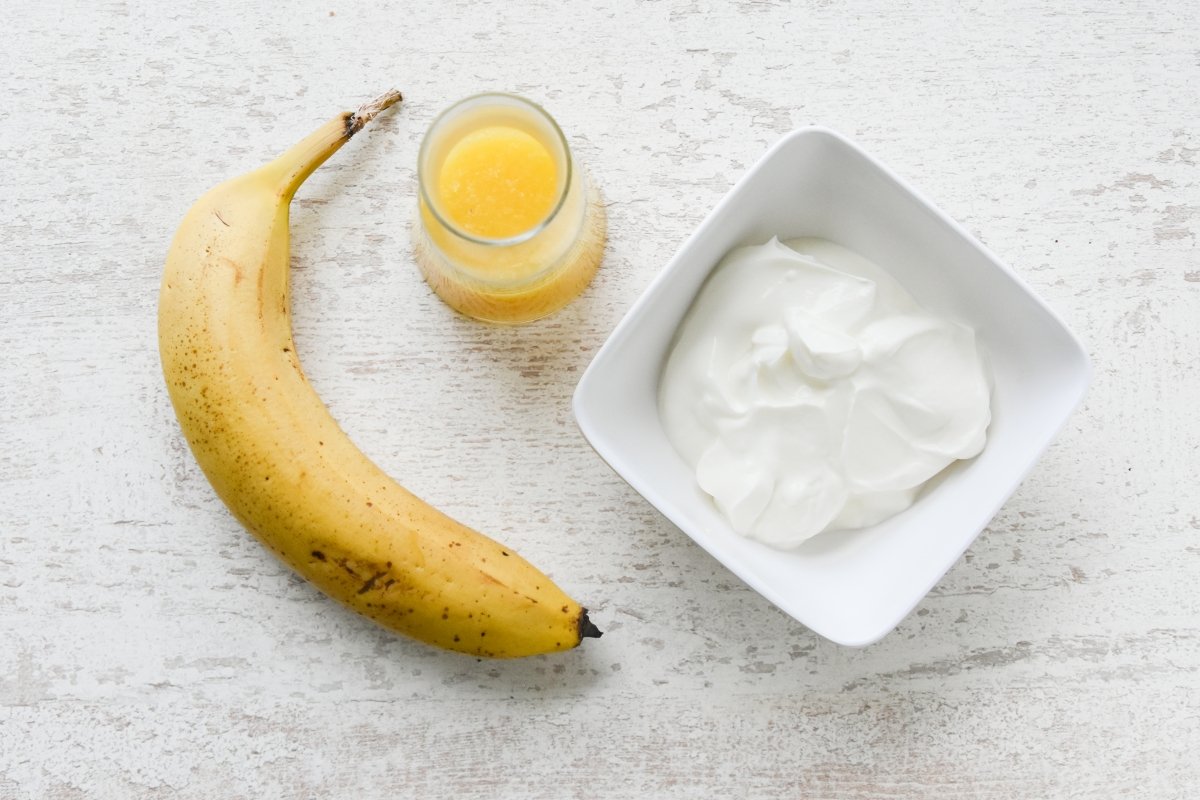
{"points": [[540, 298]]}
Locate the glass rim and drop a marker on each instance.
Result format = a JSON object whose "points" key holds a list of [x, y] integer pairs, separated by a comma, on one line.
{"points": [[508, 241]]}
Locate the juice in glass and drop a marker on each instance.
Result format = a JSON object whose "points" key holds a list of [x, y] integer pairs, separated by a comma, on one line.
{"points": [[509, 227]]}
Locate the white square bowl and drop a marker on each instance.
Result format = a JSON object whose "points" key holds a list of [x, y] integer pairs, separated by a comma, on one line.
{"points": [[852, 587]]}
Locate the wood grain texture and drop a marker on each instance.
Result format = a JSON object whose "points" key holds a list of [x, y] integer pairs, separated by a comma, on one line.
{"points": [[149, 648]]}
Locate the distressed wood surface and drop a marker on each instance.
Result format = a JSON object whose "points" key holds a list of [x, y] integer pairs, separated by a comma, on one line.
{"points": [[149, 648]]}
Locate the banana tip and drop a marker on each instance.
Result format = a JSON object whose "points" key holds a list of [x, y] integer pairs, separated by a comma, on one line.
{"points": [[587, 628]]}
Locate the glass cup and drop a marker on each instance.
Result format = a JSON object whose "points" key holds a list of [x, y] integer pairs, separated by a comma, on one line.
{"points": [[526, 275]]}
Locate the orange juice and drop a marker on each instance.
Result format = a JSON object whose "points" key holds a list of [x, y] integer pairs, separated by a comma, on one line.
{"points": [[509, 228], [497, 182]]}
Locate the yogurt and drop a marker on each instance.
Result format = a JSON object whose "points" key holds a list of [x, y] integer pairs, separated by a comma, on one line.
{"points": [[809, 391]]}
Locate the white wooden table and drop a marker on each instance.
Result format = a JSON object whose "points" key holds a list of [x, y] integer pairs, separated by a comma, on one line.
{"points": [[149, 648]]}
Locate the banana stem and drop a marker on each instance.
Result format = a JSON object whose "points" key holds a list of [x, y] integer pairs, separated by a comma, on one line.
{"points": [[300, 160], [367, 111]]}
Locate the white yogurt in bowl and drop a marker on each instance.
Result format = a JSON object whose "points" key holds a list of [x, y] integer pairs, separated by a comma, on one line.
{"points": [[809, 391], [850, 586]]}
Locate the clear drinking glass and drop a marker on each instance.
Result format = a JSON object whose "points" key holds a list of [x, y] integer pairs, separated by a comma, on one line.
{"points": [[526, 275]]}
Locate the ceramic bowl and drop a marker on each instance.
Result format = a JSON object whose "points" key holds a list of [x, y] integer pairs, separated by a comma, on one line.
{"points": [[852, 587]]}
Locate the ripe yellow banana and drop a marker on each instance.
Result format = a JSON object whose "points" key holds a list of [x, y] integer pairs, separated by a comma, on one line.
{"points": [[286, 470]]}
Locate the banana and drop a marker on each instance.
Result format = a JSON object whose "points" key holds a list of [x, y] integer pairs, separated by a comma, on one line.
{"points": [[277, 458]]}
